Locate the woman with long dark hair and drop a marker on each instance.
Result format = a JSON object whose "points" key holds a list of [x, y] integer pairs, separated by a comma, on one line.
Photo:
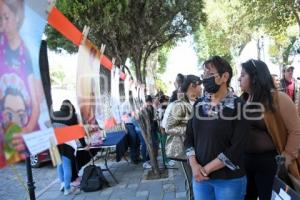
{"points": [[67, 171], [274, 128]]}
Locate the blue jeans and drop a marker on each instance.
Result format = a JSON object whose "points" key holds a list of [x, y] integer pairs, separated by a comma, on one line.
{"points": [[64, 171], [134, 142], [220, 189], [144, 152]]}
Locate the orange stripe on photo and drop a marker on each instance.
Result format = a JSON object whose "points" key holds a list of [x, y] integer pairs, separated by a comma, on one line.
{"points": [[106, 62], [59, 22], [68, 133]]}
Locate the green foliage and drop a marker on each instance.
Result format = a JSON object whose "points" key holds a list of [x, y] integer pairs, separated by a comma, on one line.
{"points": [[130, 29], [57, 77], [105, 20], [226, 31], [160, 85], [162, 59], [281, 50], [274, 16]]}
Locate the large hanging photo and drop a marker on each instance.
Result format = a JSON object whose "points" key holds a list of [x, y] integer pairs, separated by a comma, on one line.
{"points": [[88, 90], [24, 116]]}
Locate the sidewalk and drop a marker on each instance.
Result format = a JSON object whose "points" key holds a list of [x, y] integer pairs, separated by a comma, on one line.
{"points": [[131, 186]]}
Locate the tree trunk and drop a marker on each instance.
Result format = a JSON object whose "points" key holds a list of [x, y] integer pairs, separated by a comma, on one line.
{"points": [[144, 122], [138, 64], [144, 71], [138, 73]]}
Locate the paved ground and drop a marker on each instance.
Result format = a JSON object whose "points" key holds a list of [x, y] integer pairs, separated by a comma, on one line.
{"points": [[131, 186], [13, 179]]}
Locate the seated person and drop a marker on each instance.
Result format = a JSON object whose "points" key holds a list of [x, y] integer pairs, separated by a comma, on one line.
{"points": [[68, 170]]}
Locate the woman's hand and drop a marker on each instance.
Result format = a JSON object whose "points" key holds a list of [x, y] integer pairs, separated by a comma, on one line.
{"points": [[87, 147], [288, 159], [199, 173], [19, 144]]}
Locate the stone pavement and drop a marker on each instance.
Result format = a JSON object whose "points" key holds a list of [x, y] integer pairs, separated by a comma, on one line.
{"points": [[131, 186]]}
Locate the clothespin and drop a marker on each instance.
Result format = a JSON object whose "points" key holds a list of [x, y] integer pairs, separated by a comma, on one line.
{"points": [[51, 4], [113, 60], [114, 68], [102, 49], [85, 33]]}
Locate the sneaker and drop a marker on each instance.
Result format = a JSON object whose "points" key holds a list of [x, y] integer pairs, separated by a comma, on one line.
{"points": [[171, 163], [62, 185], [67, 192], [76, 183], [146, 165]]}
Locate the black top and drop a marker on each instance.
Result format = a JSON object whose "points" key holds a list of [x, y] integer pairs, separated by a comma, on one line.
{"points": [[67, 117], [218, 132], [258, 139], [173, 96]]}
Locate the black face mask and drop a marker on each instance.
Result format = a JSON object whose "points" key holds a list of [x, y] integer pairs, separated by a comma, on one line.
{"points": [[210, 85]]}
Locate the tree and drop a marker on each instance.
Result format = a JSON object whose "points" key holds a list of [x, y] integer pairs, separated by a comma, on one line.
{"points": [[131, 29], [156, 65], [159, 23], [273, 16], [282, 48], [276, 18], [106, 19], [226, 31], [162, 58], [160, 85]]}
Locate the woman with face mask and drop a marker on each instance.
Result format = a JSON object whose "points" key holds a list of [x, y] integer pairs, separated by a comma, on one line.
{"points": [[215, 137], [274, 129]]}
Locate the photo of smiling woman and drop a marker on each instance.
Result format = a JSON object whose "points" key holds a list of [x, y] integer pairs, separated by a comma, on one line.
{"points": [[19, 111], [277, 131], [23, 108], [216, 137]]}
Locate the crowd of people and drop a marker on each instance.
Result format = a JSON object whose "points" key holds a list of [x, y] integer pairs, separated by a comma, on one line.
{"points": [[225, 142]]}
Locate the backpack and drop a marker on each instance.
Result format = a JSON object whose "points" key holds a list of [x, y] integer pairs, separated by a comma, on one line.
{"points": [[93, 179]]}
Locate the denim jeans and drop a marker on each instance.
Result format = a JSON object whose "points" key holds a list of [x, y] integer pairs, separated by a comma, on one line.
{"points": [[64, 171], [220, 189], [134, 142], [144, 151]]}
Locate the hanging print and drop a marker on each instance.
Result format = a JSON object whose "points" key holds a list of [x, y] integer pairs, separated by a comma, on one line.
{"points": [[24, 116]]}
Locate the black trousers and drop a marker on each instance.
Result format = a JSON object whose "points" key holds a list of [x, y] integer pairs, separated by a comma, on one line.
{"points": [[260, 170]]}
